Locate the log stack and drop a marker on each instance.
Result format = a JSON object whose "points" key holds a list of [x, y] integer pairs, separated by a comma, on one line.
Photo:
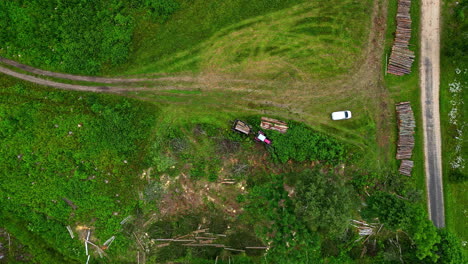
{"points": [[405, 145], [401, 57], [406, 125], [405, 167], [273, 124]]}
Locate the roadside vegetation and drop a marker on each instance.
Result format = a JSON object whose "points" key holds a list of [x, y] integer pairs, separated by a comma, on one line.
{"points": [[406, 88], [454, 82]]}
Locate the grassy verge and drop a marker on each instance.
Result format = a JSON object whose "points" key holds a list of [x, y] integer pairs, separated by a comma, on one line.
{"points": [[456, 200], [453, 99]]}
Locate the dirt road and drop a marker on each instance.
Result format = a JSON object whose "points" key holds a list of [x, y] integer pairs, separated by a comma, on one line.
{"points": [[430, 70], [95, 79], [56, 84]]}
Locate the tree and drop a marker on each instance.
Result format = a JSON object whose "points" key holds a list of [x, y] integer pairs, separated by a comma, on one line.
{"points": [[449, 248], [391, 210], [324, 201], [424, 235]]}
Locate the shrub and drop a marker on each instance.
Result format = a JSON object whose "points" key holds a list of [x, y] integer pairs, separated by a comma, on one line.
{"points": [[301, 143], [457, 176], [392, 211], [42, 163], [161, 10], [324, 202]]}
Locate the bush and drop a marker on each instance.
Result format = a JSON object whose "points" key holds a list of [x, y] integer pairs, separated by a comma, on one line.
{"points": [[391, 211], [75, 36], [161, 10], [450, 248], [271, 211], [301, 143], [456, 176], [324, 202]]}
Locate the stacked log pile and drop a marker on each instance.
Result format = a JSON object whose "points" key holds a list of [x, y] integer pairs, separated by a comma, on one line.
{"points": [[273, 124], [405, 145], [242, 127], [401, 57], [405, 167], [406, 125]]}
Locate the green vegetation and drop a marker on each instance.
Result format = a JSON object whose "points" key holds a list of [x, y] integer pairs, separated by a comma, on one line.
{"points": [[67, 158], [74, 36], [301, 144], [325, 202], [178, 170], [454, 80], [291, 240], [291, 37], [426, 242], [406, 88]]}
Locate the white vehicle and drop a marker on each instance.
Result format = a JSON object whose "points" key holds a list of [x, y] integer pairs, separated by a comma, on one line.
{"points": [[341, 115]]}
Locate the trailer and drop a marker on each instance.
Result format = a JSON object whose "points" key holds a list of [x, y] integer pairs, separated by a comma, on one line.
{"points": [[241, 127]]}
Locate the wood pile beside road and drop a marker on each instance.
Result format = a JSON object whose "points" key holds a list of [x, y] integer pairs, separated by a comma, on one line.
{"points": [[401, 57], [406, 125], [405, 145], [405, 167]]}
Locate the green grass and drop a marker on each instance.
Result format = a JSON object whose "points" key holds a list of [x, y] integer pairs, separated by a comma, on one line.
{"points": [[283, 41], [255, 38], [456, 200]]}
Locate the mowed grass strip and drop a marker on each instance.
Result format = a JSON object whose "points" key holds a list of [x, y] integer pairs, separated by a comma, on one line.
{"points": [[292, 39]]}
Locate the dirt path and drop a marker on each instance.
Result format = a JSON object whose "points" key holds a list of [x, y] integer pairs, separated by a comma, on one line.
{"points": [[55, 84], [430, 70], [207, 78]]}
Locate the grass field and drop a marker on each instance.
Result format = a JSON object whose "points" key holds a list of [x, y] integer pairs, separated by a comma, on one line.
{"points": [[255, 39], [295, 59], [456, 200]]}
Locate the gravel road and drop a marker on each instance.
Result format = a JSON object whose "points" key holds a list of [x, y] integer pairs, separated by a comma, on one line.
{"points": [[429, 71]]}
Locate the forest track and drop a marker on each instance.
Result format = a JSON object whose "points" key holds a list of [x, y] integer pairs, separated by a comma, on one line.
{"points": [[121, 80]]}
